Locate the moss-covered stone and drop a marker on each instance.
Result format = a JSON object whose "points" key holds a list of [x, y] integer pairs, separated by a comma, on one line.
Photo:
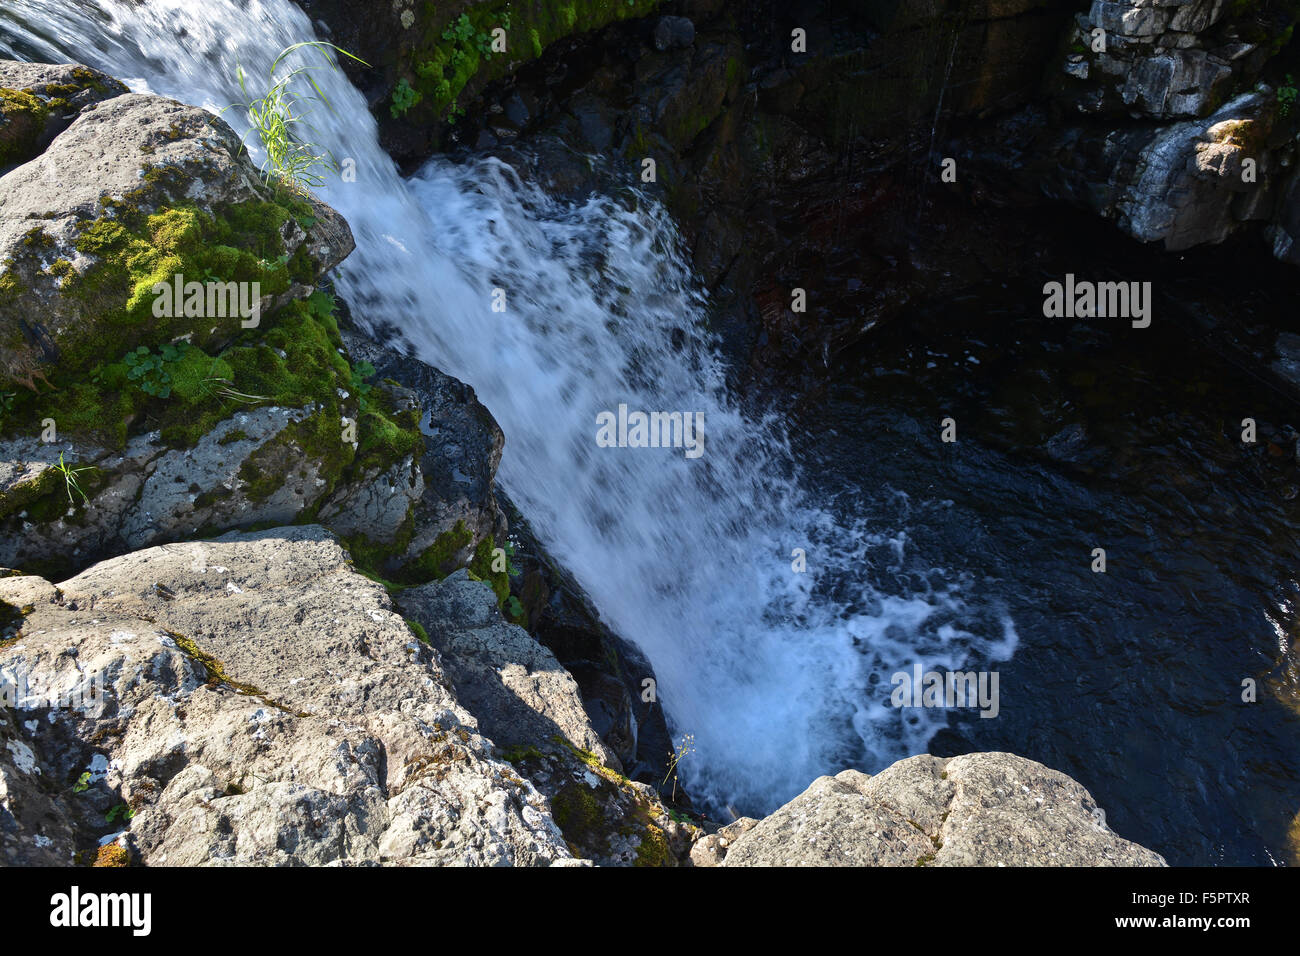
{"points": [[581, 819], [603, 815], [453, 59], [654, 850], [22, 123], [112, 855], [442, 557]]}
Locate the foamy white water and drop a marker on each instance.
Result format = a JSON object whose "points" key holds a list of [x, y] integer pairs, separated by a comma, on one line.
{"points": [[691, 560]]}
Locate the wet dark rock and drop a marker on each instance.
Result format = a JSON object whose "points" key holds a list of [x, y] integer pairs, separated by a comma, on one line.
{"points": [[673, 33], [462, 450], [1068, 444]]}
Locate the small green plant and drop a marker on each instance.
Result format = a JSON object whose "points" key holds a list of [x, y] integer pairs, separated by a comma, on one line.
{"points": [[82, 784], [514, 608], [279, 261], [1286, 96], [149, 371], [684, 747], [404, 97], [121, 810], [360, 372], [511, 570], [70, 482], [461, 30], [278, 115]]}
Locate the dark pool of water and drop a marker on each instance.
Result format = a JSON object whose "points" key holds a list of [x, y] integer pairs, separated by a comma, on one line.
{"points": [[1079, 435]]}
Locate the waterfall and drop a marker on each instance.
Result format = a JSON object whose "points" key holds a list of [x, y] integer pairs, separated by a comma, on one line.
{"points": [[780, 676]]}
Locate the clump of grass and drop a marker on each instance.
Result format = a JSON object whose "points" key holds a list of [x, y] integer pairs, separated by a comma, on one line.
{"points": [[279, 117], [70, 480]]}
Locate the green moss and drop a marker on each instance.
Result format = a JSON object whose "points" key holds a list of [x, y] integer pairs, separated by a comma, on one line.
{"points": [[132, 251], [654, 850], [392, 587], [591, 760], [589, 816], [580, 818], [453, 54], [418, 630], [22, 494], [60, 500], [442, 557], [85, 79], [385, 434], [316, 439], [520, 754], [293, 360], [480, 567]]}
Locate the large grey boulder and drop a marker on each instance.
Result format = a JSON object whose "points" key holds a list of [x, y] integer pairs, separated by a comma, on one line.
{"points": [[262, 704], [985, 809], [129, 190]]}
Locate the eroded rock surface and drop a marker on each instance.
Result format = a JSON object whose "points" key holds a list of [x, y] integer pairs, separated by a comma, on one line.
{"points": [[262, 704], [985, 809]]}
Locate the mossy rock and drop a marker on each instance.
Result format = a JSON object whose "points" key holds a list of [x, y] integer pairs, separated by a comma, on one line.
{"points": [[604, 816], [86, 262], [251, 435], [446, 54], [22, 124], [39, 100]]}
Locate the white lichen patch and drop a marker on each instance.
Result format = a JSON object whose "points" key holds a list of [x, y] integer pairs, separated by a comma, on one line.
{"points": [[24, 758]]}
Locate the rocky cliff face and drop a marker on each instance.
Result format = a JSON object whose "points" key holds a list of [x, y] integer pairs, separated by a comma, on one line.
{"points": [[1168, 126], [817, 165], [251, 699], [214, 680]]}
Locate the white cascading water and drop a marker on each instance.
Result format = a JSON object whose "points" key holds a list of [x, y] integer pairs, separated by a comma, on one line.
{"points": [[690, 559]]}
